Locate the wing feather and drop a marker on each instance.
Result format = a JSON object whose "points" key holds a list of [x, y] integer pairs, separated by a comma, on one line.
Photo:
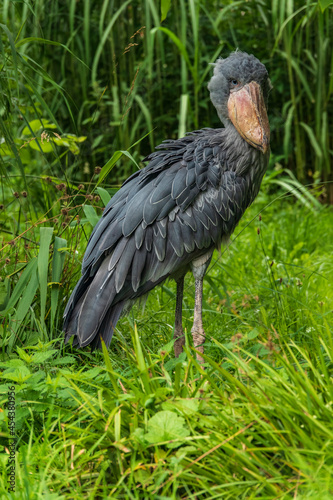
{"points": [[166, 215]]}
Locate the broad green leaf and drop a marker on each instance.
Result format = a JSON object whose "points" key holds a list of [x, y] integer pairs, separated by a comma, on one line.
{"points": [[19, 375], [40, 357], [324, 4], [253, 334], [91, 214], [73, 148], [23, 355], [74, 138], [165, 6], [63, 361], [36, 125], [186, 406], [166, 426], [105, 196], [38, 145], [5, 150], [12, 363], [66, 141]]}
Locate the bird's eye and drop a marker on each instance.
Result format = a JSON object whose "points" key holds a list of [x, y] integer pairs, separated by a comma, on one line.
{"points": [[234, 83]]}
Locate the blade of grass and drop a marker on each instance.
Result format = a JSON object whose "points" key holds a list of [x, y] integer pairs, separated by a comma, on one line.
{"points": [[43, 265], [57, 268]]}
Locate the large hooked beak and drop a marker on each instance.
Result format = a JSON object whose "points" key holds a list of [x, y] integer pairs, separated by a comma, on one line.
{"points": [[247, 111]]}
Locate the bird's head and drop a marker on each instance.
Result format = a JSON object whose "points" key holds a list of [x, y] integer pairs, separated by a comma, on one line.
{"points": [[239, 91]]}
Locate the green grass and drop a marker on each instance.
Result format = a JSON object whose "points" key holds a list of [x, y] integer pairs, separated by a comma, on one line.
{"points": [[137, 423], [112, 72]]}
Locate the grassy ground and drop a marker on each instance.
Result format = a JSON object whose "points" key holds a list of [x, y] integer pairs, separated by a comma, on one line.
{"points": [[135, 423]]}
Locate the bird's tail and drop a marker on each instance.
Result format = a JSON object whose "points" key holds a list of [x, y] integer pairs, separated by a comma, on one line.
{"points": [[99, 299], [103, 332], [108, 325], [91, 315]]}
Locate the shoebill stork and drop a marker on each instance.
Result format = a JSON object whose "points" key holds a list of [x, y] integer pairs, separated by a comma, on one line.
{"points": [[169, 217]]}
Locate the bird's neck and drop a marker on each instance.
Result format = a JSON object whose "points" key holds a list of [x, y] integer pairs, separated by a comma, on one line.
{"points": [[234, 139], [241, 155]]}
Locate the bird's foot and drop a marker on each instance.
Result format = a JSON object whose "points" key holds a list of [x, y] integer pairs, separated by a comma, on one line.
{"points": [[179, 337]]}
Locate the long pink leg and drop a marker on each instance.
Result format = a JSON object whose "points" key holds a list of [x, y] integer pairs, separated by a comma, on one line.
{"points": [[198, 332]]}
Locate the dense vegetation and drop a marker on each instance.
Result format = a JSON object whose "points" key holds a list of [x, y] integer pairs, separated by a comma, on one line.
{"points": [[87, 89]]}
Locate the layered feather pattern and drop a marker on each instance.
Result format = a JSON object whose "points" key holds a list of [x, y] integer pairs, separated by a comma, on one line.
{"points": [[191, 194]]}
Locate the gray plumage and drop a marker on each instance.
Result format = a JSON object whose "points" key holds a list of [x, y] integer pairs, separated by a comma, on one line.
{"points": [[176, 210]]}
